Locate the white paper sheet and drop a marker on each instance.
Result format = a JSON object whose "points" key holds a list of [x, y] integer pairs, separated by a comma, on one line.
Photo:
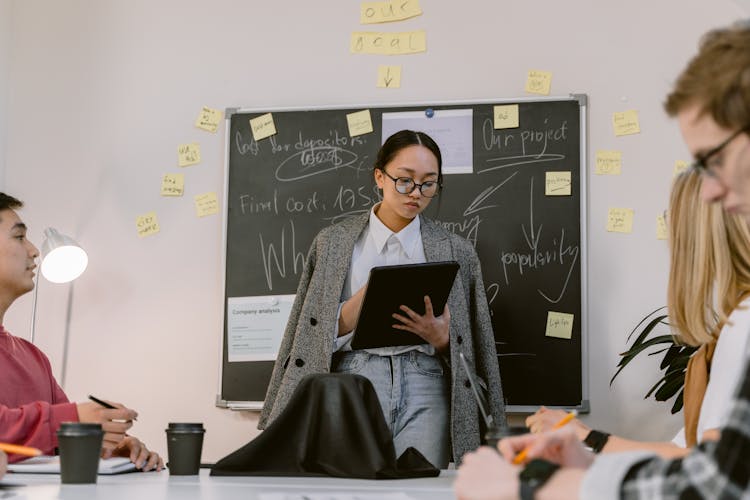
{"points": [[255, 326], [451, 129]]}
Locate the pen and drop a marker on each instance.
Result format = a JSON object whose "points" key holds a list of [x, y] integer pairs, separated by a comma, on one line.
{"points": [[20, 450], [103, 403], [567, 418]]}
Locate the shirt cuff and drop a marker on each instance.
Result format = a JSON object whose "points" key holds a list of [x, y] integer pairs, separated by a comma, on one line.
{"points": [[604, 477], [340, 342]]}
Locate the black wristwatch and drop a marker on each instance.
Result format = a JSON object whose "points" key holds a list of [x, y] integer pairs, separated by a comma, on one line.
{"points": [[534, 475], [596, 440]]}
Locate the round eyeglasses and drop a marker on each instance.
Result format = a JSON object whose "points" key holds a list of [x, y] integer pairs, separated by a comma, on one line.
{"points": [[406, 185]]}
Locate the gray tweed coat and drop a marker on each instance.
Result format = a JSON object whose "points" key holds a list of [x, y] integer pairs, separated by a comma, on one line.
{"points": [[307, 345]]}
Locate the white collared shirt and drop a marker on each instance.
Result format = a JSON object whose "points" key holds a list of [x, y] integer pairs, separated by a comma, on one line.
{"points": [[379, 246]]}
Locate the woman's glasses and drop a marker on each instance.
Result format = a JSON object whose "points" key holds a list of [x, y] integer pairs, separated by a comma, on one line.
{"points": [[406, 185]]}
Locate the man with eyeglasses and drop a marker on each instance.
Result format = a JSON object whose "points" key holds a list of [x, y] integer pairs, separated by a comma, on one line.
{"points": [[711, 101]]}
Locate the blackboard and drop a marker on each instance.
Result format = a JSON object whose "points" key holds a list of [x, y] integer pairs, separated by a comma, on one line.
{"points": [[281, 190]]}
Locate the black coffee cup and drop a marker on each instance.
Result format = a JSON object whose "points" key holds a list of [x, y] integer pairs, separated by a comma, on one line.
{"points": [[184, 446], [80, 447], [498, 432]]}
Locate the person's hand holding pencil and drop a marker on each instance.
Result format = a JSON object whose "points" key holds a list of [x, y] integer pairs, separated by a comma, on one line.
{"points": [[521, 457], [115, 418]]}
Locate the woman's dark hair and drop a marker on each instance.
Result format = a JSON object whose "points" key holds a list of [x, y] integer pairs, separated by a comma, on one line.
{"points": [[403, 139], [8, 202]]}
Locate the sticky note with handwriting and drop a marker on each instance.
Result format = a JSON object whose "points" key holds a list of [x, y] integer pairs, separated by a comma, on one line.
{"points": [[188, 154], [389, 77], [368, 42], [620, 220], [661, 227], [386, 12], [559, 325], [626, 122], [262, 126], [147, 224], [206, 204], [538, 82], [208, 119], [172, 185], [608, 162], [557, 183], [506, 116], [680, 166], [359, 122]]}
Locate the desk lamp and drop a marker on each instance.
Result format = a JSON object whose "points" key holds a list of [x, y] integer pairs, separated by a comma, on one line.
{"points": [[63, 260]]}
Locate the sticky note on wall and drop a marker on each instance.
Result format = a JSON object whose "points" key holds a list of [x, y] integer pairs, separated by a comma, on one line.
{"points": [[506, 116], [172, 185], [661, 227], [262, 126], [608, 162], [389, 11], [208, 119], [368, 42], [206, 204], [680, 166], [538, 82], [626, 122], [557, 183], [389, 77], [147, 224], [620, 220], [188, 154], [559, 325]]}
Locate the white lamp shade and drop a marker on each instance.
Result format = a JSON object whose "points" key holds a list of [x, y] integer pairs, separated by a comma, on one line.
{"points": [[63, 260]]}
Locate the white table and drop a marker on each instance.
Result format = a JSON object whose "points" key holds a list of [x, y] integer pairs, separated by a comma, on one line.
{"points": [[160, 486]]}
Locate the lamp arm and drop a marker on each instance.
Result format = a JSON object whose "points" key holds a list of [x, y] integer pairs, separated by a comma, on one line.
{"points": [[33, 306]]}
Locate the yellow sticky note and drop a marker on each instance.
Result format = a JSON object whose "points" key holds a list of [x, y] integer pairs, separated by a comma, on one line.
{"points": [[559, 325], [389, 77], [208, 119], [147, 224], [173, 185], [359, 122], [538, 82], [371, 42], [626, 122], [506, 116], [557, 183], [680, 166], [206, 204], [262, 126], [386, 12], [620, 220], [608, 162], [188, 154], [661, 227]]}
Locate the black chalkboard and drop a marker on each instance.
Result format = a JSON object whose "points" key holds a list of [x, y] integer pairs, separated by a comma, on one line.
{"points": [[281, 190]]}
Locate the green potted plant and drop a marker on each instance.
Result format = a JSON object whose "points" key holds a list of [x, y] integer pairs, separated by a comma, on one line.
{"points": [[652, 340]]}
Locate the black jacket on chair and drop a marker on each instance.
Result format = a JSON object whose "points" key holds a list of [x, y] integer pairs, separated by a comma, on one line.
{"points": [[332, 426]]}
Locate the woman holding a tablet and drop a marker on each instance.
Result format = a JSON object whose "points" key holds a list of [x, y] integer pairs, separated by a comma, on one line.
{"points": [[427, 404]]}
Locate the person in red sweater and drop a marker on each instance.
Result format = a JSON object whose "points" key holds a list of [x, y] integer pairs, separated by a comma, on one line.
{"points": [[32, 404]]}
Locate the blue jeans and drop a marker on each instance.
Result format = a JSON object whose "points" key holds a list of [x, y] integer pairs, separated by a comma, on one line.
{"points": [[414, 394]]}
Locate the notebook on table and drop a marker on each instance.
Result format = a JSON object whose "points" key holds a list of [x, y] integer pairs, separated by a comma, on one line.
{"points": [[45, 464]]}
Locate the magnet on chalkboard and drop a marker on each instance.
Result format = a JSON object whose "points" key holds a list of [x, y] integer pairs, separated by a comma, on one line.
{"points": [[429, 112]]}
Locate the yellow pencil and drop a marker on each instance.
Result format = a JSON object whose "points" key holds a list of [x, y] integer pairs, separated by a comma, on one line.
{"points": [[567, 418], [20, 450]]}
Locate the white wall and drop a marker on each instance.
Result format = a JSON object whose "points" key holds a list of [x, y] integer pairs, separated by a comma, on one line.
{"points": [[102, 91], [5, 44]]}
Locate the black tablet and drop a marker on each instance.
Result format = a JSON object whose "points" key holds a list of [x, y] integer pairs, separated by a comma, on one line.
{"points": [[391, 286]]}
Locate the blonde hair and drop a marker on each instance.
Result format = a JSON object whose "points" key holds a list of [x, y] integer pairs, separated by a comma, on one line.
{"points": [[709, 271]]}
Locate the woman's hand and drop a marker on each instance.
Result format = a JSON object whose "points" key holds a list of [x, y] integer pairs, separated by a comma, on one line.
{"points": [[545, 419], [433, 329], [137, 452]]}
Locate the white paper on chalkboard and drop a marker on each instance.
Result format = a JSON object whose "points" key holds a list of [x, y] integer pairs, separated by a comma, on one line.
{"points": [[255, 326], [450, 128]]}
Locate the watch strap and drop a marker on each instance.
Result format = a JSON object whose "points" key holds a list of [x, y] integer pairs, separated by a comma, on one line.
{"points": [[596, 440], [533, 476]]}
